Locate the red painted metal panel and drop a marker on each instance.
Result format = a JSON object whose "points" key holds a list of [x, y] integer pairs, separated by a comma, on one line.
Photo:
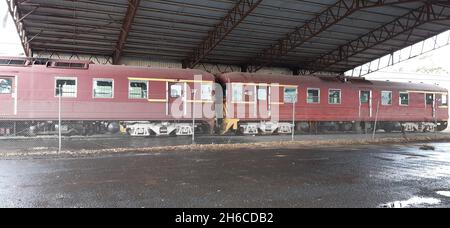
{"points": [[348, 110], [37, 99]]}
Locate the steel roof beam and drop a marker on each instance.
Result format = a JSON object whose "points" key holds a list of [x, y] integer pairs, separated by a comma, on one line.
{"points": [[429, 12], [234, 17], [17, 18], [321, 22], [133, 6]]}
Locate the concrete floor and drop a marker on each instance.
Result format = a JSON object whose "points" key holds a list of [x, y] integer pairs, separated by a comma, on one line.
{"points": [[22, 144], [351, 176]]}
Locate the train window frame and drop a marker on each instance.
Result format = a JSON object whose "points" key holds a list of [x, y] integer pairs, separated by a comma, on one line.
{"points": [[138, 98], [10, 85], [235, 92], [400, 98], [340, 96], [206, 92], [391, 98], [179, 91], [67, 79], [288, 100], [94, 84], [444, 100], [369, 97], [263, 96], [426, 98], [307, 96]]}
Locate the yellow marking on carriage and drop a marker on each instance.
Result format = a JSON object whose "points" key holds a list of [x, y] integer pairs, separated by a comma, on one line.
{"points": [[197, 81], [158, 100], [169, 80], [153, 79], [264, 84], [200, 101], [243, 102], [230, 123]]}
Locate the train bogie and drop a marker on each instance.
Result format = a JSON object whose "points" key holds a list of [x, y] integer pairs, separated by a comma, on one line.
{"points": [[265, 128], [159, 128]]}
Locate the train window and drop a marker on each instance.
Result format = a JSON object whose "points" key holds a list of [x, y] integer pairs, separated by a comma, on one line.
{"points": [[444, 100], [313, 96], [404, 98], [207, 92], [66, 87], [386, 97], [5, 85], [290, 95], [176, 90], [364, 97], [138, 90], [262, 94], [334, 96], [429, 98], [103, 88], [237, 92]]}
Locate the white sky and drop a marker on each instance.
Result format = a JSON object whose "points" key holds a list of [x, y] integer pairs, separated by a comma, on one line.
{"points": [[415, 70], [430, 68], [9, 39]]}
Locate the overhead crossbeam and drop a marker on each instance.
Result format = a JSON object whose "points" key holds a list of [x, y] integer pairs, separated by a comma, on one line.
{"points": [[234, 17], [321, 22], [429, 12], [133, 6]]}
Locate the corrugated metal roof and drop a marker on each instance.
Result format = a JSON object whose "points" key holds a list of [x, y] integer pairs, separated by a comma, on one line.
{"points": [[172, 29]]}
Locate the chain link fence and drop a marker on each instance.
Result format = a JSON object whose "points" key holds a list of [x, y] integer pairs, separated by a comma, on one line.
{"points": [[71, 121]]}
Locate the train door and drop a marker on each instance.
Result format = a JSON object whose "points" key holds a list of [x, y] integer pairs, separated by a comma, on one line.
{"points": [[365, 104], [262, 102], [177, 99], [430, 103], [8, 98], [249, 101]]}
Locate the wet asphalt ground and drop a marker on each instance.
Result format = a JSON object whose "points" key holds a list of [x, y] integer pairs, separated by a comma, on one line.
{"points": [[350, 176]]}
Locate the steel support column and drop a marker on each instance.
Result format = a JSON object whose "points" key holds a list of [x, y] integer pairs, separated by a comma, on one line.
{"points": [[429, 12], [324, 20], [133, 6], [234, 17], [17, 18]]}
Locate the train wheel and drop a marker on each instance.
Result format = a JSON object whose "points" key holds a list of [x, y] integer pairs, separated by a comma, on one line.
{"points": [[302, 127], [346, 127], [388, 127]]}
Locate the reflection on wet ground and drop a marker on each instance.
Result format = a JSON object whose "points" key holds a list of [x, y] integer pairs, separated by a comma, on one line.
{"points": [[345, 176], [415, 201], [444, 193]]}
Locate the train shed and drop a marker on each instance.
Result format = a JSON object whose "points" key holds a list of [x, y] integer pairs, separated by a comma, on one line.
{"points": [[291, 36]]}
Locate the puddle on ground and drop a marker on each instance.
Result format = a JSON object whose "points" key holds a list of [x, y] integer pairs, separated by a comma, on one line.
{"points": [[415, 201], [39, 148], [280, 156], [444, 193]]}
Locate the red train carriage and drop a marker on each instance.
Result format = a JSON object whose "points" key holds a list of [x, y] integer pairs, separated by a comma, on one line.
{"points": [[147, 101], [99, 98], [329, 103]]}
